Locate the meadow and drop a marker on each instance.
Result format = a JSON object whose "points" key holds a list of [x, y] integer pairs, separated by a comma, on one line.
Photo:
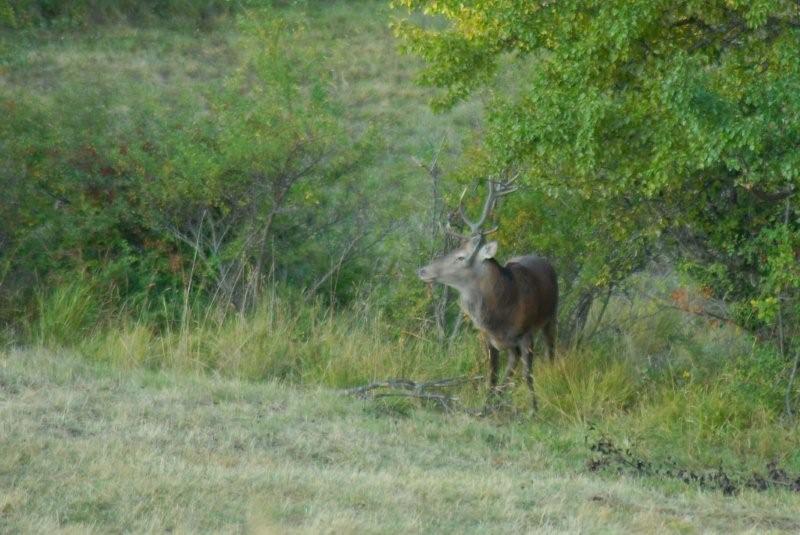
{"points": [[138, 394], [88, 448]]}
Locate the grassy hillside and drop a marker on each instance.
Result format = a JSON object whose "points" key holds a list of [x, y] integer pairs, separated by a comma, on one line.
{"points": [[85, 448]]}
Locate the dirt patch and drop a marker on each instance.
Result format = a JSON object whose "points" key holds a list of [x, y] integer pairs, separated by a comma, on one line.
{"points": [[606, 456]]}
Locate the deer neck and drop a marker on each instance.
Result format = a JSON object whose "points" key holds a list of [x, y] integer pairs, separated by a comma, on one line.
{"points": [[479, 299]]}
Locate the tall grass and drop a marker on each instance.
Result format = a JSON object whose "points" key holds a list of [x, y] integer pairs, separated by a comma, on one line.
{"points": [[286, 336], [677, 388], [66, 315]]}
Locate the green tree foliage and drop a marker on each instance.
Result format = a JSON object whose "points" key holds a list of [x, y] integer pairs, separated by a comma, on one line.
{"points": [[657, 123]]}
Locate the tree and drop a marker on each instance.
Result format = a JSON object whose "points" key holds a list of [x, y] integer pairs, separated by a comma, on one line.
{"points": [[677, 123]]}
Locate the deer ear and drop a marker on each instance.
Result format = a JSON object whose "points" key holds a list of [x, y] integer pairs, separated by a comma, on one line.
{"points": [[488, 250]]}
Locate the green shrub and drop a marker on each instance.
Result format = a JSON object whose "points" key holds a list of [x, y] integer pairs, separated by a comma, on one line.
{"points": [[154, 187]]}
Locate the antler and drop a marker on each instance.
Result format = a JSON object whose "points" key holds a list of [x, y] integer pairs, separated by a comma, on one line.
{"points": [[496, 190]]}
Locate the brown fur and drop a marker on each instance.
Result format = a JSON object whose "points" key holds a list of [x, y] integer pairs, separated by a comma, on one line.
{"points": [[518, 297], [511, 303]]}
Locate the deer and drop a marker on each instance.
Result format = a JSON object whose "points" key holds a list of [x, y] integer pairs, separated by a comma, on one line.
{"points": [[507, 303]]}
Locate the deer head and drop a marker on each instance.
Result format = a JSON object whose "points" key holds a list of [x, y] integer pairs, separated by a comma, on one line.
{"points": [[459, 267]]}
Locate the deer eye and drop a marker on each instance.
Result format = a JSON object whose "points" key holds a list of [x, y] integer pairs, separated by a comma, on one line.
{"points": [[460, 258]]}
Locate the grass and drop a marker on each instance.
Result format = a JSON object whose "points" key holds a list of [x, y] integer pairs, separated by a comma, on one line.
{"points": [[88, 448], [711, 401]]}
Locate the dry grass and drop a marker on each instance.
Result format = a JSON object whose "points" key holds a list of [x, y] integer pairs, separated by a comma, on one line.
{"points": [[86, 449]]}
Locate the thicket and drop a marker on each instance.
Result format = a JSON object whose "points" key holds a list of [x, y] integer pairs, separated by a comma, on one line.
{"points": [[149, 191]]}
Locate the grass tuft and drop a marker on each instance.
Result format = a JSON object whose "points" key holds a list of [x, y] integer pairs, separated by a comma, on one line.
{"points": [[66, 315], [583, 386]]}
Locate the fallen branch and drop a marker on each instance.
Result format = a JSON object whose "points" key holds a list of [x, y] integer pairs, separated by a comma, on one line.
{"points": [[444, 400], [408, 384], [360, 391], [402, 387]]}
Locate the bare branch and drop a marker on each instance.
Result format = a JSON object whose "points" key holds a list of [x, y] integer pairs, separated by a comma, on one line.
{"points": [[443, 399], [409, 385]]}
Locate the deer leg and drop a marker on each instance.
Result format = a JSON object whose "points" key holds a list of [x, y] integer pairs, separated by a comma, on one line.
{"points": [[527, 360], [549, 331], [513, 353], [494, 364]]}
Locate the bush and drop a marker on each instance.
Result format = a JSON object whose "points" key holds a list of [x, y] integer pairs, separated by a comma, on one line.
{"points": [[153, 188]]}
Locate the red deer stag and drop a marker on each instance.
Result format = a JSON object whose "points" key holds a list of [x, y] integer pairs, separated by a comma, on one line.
{"points": [[508, 304]]}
